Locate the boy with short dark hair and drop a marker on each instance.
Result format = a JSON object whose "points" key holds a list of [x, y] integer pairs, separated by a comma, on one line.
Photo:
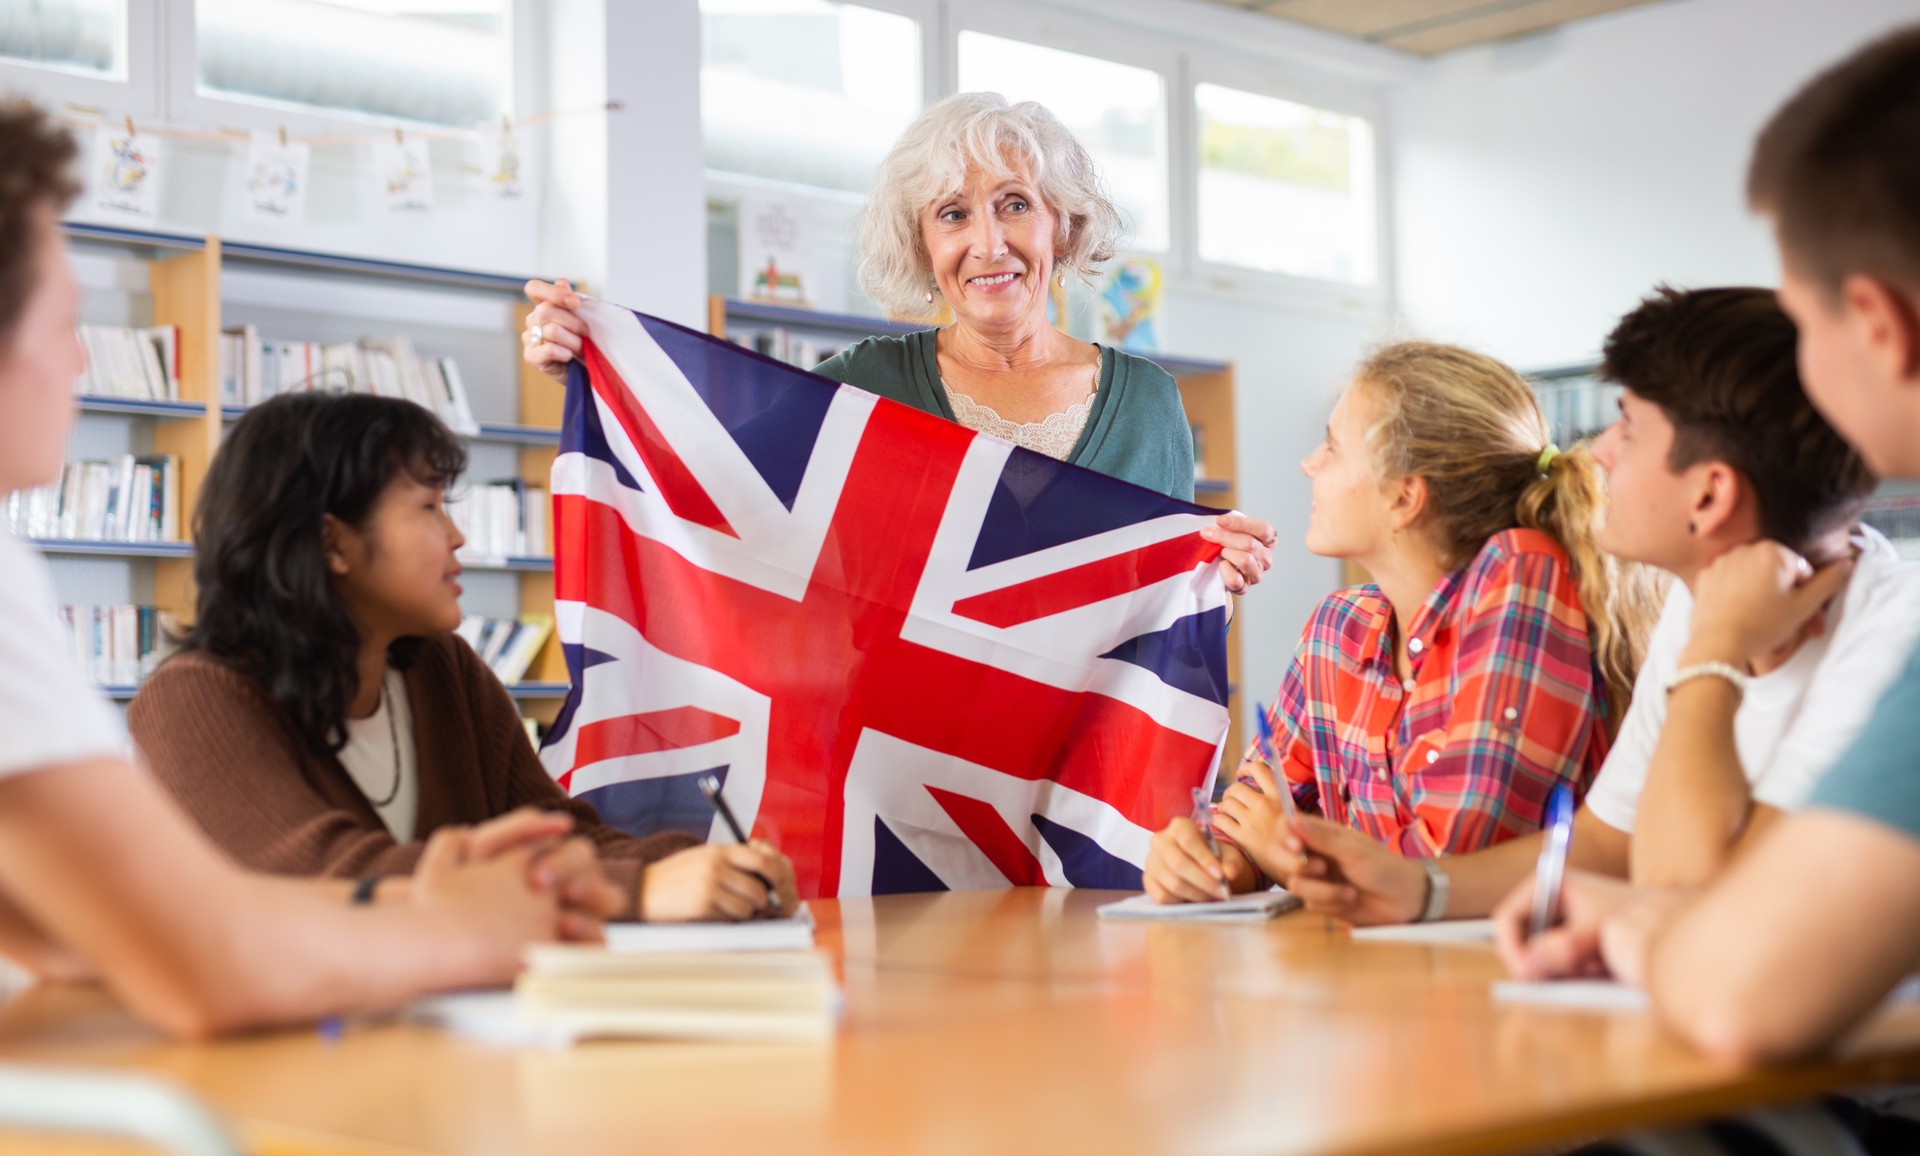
{"points": [[1748, 968]]}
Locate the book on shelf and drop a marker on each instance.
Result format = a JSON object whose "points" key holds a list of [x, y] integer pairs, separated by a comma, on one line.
{"points": [[502, 519], [782, 344], [253, 369], [507, 645], [136, 364], [131, 498], [116, 645]]}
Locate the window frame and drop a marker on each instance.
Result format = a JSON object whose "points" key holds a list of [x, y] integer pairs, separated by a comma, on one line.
{"points": [[186, 106], [1070, 31], [1300, 85], [138, 96], [726, 184]]}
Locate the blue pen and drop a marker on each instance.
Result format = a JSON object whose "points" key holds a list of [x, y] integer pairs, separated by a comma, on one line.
{"points": [[1550, 873], [1263, 726]]}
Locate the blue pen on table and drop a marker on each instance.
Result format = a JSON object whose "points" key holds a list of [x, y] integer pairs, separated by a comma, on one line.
{"points": [[1550, 873], [710, 787]]}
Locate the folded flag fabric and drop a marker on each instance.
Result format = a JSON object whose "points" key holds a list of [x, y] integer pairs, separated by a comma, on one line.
{"points": [[919, 658]]}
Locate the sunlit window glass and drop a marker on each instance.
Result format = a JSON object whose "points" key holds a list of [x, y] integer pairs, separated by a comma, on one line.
{"points": [[83, 36], [433, 61], [805, 91], [1118, 111], [1284, 187]]}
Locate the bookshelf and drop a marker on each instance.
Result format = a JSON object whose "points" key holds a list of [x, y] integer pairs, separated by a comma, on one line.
{"points": [[200, 285], [1206, 390]]}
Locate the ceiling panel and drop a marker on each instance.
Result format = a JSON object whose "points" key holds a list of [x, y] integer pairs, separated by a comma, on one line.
{"points": [[1430, 27], [1364, 18]]}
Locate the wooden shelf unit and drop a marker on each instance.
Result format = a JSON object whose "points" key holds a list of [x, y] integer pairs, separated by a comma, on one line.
{"points": [[1206, 390], [183, 278]]}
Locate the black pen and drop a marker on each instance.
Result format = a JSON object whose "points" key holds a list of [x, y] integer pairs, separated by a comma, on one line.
{"points": [[710, 787]]}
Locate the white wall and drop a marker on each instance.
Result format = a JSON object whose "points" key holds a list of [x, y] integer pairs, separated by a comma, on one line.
{"points": [[1542, 186], [1288, 365]]}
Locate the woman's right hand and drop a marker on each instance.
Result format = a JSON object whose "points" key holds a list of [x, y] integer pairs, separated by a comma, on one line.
{"points": [[717, 881], [558, 328], [1181, 869]]}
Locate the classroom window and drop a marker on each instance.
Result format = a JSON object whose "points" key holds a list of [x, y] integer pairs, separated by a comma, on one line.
{"points": [[1117, 110], [446, 62], [1285, 187], [88, 37], [806, 92]]}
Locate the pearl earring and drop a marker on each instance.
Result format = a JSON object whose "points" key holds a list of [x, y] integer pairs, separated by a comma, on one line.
{"points": [[1063, 278], [929, 296]]}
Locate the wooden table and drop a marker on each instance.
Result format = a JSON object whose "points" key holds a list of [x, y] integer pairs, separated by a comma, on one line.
{"points": [[1003, 1022]]}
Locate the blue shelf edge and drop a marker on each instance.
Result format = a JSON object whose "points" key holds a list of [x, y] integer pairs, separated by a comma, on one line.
{"points": [[848, 323], [113, 549], [501, 432], [539, 689], [83, 231], [530, 435], [853, 324], [249, 253], [510, 563], [139, 407]]}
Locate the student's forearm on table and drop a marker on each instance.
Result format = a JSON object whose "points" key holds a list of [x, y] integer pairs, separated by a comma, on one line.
{"points": [[1696, 799], [1477, 883], [1794, 944]]}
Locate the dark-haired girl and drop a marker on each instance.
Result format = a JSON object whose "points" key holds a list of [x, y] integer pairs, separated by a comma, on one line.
{"points": [[321, 719]]}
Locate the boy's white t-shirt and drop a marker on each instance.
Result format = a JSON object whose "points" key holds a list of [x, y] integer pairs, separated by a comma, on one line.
{"points": [[1795, 721], [49, 713]]}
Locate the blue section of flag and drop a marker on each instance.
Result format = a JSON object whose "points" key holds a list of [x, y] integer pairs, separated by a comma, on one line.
{"points": [[580, 429], [579, 659], [1084, 862], [1041, 502], [1190, 655], [773, 410], [896, 870], [645, 807]]}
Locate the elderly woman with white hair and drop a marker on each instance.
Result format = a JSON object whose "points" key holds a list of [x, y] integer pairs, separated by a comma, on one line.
{"points": [[983, 204]]}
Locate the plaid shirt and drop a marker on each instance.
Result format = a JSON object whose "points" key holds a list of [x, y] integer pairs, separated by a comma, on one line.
{"points": [[1504, 704]]}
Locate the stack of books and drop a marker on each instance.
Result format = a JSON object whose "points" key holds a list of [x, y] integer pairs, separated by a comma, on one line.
{"points": [[503, 519], [139, 364], [508, 646], [759, 981], [132, 498], [116, 645], [253, 369]]}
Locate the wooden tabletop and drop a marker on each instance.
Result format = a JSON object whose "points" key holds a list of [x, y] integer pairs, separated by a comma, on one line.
{"points": [[1004, 1022]]}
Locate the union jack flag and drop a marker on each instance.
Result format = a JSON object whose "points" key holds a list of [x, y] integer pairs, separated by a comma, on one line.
{"points": [[919, 658]]}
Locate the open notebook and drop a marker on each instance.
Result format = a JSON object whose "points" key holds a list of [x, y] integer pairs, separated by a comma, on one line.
{"points": [[1239, 909]]}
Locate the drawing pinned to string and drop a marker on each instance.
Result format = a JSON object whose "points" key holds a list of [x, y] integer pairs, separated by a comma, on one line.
{"points": [[405, 173], [276, 178], [126, 172]]}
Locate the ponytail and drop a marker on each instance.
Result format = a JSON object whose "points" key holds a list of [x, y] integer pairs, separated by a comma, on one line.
{"points": [[1621, 598], [1472, 429]]}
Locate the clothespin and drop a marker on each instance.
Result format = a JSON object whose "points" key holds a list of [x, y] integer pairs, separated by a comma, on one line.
{"points": [[506, 124], [283, 136], [131, 131], [397, 138]]}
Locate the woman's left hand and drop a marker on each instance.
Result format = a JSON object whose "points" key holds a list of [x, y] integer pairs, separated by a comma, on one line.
{"points": [[1246, 549]]}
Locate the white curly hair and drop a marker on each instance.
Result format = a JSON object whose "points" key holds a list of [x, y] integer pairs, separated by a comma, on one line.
{"points": [[986, 131]]}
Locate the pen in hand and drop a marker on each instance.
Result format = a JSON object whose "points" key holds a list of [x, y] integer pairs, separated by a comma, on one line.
{"points": [[710, 787], [1263, 747]]}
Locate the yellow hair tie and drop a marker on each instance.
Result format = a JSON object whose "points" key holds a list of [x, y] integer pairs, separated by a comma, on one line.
{"points": [[1546, 457]]}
